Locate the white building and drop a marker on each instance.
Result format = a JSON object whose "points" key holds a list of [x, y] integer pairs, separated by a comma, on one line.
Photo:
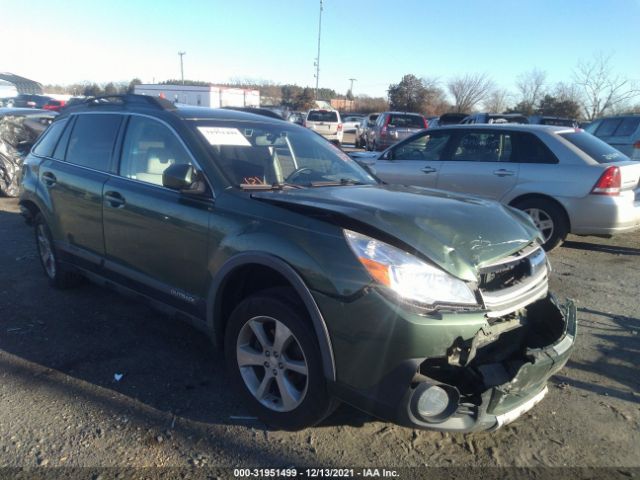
{"points": [[211, 96]]}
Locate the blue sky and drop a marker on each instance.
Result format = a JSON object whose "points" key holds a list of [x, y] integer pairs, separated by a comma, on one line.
{"points": [[374, 41]]}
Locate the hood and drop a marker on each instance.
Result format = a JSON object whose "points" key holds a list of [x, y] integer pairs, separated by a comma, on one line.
{"points": [[456, 232]]}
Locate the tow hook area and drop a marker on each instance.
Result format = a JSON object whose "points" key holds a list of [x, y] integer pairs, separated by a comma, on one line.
{"points": [[496, 376]]}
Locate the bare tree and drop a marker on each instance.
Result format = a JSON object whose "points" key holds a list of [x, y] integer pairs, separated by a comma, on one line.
{"points": [[566, 91], [602, 89], [497, 101], [531, 86], [436, 102], [469, 90], [367, 104]]}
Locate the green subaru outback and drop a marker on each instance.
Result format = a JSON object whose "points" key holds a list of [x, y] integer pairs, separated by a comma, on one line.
{"points": [[322, 284]]}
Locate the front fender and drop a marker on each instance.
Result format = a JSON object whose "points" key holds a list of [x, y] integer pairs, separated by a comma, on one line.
{"points": [[214, 299]]}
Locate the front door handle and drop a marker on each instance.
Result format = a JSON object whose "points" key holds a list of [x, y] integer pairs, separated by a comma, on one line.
{"points": [[428, 170], [504, 173], [114, 199], [49, 179]]}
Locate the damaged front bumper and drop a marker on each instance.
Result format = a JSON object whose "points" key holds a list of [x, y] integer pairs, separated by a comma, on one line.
{"points": [[483, 382]]}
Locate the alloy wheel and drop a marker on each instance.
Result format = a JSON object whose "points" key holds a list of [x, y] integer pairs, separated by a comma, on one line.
{"points": [[272, 364], [46, 252], [542, 220]]}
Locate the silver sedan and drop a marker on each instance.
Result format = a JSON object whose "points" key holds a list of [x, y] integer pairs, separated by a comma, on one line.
{"points": [[567, 180]]}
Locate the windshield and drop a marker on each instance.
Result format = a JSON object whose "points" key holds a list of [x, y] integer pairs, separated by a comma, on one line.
{"points": [[262, 154], [600, 151]]}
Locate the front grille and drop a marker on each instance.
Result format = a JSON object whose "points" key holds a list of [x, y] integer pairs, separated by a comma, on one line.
{"points": [[512, 283], [504, 276]]}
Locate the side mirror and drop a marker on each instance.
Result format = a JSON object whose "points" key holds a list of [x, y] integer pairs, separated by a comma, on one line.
{"points": [[183, 177], [356, 125]]}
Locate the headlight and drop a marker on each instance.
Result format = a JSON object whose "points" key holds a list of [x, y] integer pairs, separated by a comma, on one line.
{"points": [[406, 275]]}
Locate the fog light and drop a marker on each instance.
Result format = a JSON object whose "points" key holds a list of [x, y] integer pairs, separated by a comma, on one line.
{"points": [[433, 401]]}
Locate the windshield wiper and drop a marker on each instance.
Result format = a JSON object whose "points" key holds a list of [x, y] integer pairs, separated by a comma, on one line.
{"points": [[336, 183]]}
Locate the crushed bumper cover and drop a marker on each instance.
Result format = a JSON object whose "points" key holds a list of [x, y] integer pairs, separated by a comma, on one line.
{"points": [[508, 394]]}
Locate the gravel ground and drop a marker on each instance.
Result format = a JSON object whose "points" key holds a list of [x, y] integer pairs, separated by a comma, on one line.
{"points": [[60, 404]]}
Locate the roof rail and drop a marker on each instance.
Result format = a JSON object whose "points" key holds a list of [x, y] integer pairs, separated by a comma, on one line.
{"points": [[129, 99]]}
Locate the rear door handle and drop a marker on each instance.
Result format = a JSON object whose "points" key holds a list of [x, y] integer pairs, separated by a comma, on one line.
{"points": [[428, 170], [49, 179], [114, 199], [504, 173]]}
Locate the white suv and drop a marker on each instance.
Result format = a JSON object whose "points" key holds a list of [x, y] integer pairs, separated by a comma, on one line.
{"points": [[327, 123]]}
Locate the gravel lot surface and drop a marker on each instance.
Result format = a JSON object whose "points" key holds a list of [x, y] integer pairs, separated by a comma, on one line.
{"points": [[60, 404]]}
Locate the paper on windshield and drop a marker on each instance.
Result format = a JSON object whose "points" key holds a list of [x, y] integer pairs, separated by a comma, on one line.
{"points": [[224, 136]]}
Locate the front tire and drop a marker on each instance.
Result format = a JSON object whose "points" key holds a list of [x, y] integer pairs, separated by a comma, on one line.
{"points": [[550, 219], [274, 361], [59, 275]]}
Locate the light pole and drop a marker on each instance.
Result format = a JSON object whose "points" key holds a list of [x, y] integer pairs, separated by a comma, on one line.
{"points": [[317, 63], [182, 54]]}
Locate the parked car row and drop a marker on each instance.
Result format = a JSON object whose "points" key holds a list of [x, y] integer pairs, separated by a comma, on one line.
{"points": [[25, 100], [567, 180], [322, 284]]}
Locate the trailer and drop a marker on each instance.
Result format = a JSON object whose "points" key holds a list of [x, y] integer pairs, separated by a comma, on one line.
{"points": [[207, 96]]}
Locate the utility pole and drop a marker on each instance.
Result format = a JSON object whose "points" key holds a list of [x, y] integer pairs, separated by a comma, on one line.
{"points": [[351, 91], [182, 54], [351, 87], [317, 62]]}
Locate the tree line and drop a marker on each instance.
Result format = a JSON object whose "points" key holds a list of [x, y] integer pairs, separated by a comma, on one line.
{"points": [[595, 90]]}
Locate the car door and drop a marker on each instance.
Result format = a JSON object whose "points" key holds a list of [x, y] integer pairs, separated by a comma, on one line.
{"points": [[479, 163], [73, 179], [415, 161], [154, 236]]}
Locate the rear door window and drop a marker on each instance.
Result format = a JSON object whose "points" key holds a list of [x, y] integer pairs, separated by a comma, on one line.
{"points": [[92, 141], [530, 149], [483, 147], [600, 151], [608, 126], [627, 127], [45, 146]]}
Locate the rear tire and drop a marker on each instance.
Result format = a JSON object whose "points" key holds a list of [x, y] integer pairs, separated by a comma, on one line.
{"points": [[274, 361], [550, 219], [59, 275]]}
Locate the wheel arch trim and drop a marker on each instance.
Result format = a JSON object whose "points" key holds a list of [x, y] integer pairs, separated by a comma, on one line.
{"points": [[214, 300]]}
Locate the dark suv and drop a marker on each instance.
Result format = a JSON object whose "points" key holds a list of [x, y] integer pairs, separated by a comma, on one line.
{"points": [[423, 307], [25, 100]]}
